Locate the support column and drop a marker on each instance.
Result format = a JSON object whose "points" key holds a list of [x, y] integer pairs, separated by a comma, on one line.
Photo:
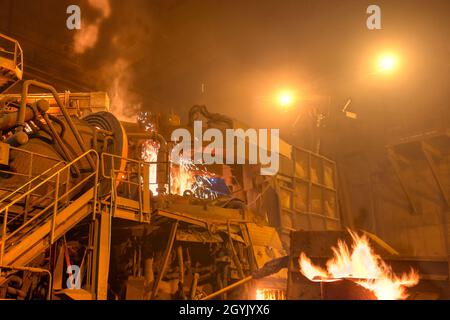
{"points": [[103, 252]]}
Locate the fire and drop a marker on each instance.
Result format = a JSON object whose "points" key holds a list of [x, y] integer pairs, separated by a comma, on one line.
{"points": [[270, 294], [185, 176], [310, 271], [363, 266], [150, 154], [188, 176], [181, 177]]}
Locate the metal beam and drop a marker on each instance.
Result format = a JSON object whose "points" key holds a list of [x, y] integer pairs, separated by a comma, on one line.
{"points": [[427, 149], [103, 251], [163, 265], [393, 157]]}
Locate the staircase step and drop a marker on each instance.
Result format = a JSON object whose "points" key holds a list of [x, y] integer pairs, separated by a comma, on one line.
{"points": [[7, 72], [34, 238], [5, 86]]}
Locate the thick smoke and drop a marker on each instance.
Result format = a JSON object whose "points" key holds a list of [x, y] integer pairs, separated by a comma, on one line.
{"points": [[112, 43], [86, 38]]}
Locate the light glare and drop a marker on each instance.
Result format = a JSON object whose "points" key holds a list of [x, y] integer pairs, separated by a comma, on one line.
{"points": [[285, 99], [387, 63]]}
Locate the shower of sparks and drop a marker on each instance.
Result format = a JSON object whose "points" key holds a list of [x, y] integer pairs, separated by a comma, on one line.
{"points": [[145, 120], [185, 177]]}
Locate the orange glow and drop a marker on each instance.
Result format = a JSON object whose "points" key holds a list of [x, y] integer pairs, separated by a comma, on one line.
{"points": [[387, 63], [269, 294], [285, 98], [150, 154], [363, 266], [310, 271], [183, 177]]}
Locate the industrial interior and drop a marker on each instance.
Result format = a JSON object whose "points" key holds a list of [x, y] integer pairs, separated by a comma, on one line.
{"points": [[93, 206]]}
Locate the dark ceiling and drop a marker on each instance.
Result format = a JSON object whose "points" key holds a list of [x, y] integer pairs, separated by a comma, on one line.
{"points": [[233, 56]]}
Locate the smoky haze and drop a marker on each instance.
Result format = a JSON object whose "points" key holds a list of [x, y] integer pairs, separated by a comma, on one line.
{"points": [[234, 56]]}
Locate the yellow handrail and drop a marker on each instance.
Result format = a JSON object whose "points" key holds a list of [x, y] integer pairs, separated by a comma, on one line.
{"points": [[17, 54], [143, 188], [50, 177], [56, 174], [30, 182]]}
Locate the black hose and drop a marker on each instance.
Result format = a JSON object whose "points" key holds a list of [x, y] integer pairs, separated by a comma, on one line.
{"points": [[212, 117], [61, 124]]}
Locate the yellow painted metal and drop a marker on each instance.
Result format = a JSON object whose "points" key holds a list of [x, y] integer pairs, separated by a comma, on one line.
{"points": [[34, 270], [55, 209], [381, 243], [146, 191], [56, 214], [116, 175], [228, 288], [11, 62], [165, 260], [4, 153], [103, 247], [38, 240]]}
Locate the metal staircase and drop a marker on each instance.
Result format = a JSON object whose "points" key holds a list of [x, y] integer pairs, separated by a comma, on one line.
{"points": [[11, 62], [69, 203]]}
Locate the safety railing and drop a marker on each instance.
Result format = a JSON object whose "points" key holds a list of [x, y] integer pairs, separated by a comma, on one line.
{"points": [[27, 174], [58, 179], [131, 179], [11, 50]]}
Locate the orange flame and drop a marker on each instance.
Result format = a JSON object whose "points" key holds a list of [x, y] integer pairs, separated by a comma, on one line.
{"points": [[181, 179], [182, 176], [150, 154], [363, 266]]}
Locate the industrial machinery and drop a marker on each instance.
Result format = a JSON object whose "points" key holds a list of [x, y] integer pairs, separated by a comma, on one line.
{"points": [[93, 208], [84, 216]]}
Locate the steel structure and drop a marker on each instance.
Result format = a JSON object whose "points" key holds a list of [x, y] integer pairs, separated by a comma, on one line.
{"points": [[83, 215]]}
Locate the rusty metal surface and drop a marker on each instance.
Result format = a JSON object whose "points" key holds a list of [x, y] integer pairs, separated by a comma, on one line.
{"points": [[4, 153]]}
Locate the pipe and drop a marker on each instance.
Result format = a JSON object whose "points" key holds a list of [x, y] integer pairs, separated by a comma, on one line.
{"points": [[58, 139], [148, 278], [165, 260], [163, 163], [22, 114], [34, 270], [9, 120], [269, 268], [228, 288], [16, 292], [162, 158], [180, 263], [16, 279], [193, 288]]}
